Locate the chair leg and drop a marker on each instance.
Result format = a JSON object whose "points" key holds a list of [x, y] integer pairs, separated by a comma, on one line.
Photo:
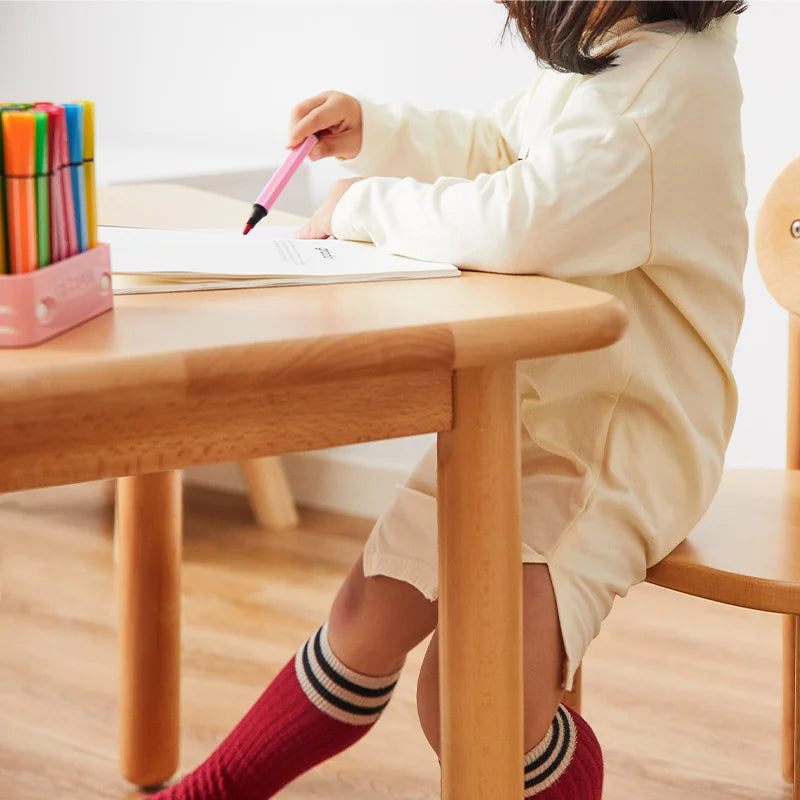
{"points": [[787, 710], [572, 698], [796, 725], [270, 496], [148, 589]]}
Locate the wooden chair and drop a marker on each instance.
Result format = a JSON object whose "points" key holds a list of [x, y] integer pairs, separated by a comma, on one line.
{"points": [[746, 549]]}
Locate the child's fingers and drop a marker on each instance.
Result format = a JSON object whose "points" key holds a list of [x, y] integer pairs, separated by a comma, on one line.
{"points": [[311, 231], [320, 150], [343, 145], [303, 108], [300, 112], [318, 118], [325, 147]]}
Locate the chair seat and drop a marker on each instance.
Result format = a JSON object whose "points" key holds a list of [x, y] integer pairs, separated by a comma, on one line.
{"points": [[746, 549]]}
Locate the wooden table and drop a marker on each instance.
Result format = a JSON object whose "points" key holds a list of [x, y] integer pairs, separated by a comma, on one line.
{"points": [[167, 381]]}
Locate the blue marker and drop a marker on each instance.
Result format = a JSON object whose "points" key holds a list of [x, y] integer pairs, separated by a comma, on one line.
{"points": [[74, 112]]}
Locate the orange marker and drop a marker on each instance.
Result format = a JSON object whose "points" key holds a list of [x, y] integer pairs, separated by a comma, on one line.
{"points": [[19, 145]]}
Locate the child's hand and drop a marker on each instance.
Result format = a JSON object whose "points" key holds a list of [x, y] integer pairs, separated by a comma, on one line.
{"points": [[336, 117], [320, 225]]}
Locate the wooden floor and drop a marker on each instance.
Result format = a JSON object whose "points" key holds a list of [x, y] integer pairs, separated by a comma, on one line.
{"points": [[683, 694]]}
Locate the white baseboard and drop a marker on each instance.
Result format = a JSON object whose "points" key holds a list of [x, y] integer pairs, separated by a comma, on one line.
{"points": [[326, 479]]}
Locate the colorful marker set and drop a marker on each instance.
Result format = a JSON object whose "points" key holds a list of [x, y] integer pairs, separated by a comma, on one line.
{"points": [[48, 209], [54, 274]]}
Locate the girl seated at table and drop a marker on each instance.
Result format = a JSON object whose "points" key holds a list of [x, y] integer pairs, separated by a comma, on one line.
{"points": [[621, 169]]}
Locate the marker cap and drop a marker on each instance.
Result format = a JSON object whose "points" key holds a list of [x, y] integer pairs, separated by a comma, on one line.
{"points": [[4, 109], [55, 124], [88, 129], [74, 112], [19, 136], [40, 166]]}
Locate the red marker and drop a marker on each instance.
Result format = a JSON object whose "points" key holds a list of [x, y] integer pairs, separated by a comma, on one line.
{"points": [[56, 131], [278, 182], [64, 228]]}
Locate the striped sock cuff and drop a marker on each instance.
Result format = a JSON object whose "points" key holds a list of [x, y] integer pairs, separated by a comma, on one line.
{"points": [[548, 761], [337, 690]]}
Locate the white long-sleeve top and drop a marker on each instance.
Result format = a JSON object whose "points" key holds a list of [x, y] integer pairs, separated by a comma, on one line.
{"points": [[630, 181]]}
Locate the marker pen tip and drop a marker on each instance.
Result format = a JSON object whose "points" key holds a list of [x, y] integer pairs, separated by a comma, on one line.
{"points": [[247, 229]]}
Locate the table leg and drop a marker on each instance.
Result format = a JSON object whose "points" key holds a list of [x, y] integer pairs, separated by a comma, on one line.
{"points": [[788, 737], [796, 771], [480, 574], [270, 496], [148, 580]]}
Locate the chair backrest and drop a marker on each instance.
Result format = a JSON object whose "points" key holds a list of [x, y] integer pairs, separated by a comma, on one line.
{"points": [[778, 254]]}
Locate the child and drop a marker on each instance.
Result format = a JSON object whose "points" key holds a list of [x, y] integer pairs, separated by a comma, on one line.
{"points": [[621, 169]]}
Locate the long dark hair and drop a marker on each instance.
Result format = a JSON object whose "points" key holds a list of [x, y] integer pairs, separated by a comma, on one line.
{"points": [[562, 33]]}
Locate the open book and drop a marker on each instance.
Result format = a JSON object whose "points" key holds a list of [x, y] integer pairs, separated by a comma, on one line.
{"points": [[152, 260]]}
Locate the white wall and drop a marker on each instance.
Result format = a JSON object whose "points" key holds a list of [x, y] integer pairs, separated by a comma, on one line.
{"points": [[219, 78], [771, 124], [210, 85]]}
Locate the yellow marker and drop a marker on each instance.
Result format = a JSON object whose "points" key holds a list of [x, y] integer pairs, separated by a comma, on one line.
{"points": [[88, 170]]}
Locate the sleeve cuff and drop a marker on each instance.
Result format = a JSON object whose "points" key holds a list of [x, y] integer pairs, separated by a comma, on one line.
{"points": [[375, 133], [344, 221]]}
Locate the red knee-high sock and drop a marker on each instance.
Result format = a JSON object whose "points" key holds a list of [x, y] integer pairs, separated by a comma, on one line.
{"points": [[567, 764], [316, 707]]}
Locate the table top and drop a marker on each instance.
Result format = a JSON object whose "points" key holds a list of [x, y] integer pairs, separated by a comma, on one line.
{"points": [[301, 333]]}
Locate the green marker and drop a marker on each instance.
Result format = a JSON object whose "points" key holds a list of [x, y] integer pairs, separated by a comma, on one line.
{"points": [[42, 190]]}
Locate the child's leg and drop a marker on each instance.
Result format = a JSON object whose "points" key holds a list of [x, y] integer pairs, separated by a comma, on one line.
{"points": [[563, 760], [543, 659], [324, 700], [375, 621]]}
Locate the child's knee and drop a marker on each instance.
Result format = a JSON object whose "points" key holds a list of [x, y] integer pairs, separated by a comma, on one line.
{"points": [[376, 620], [348, 607]]}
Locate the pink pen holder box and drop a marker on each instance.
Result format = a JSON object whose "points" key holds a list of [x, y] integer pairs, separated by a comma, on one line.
{"points": [[36, 306]]}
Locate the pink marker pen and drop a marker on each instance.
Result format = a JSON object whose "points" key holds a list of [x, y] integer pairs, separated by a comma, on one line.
{"points": [[278, 182]]}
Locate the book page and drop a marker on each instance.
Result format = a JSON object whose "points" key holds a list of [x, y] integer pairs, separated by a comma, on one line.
{"points": [[224, 254]]}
